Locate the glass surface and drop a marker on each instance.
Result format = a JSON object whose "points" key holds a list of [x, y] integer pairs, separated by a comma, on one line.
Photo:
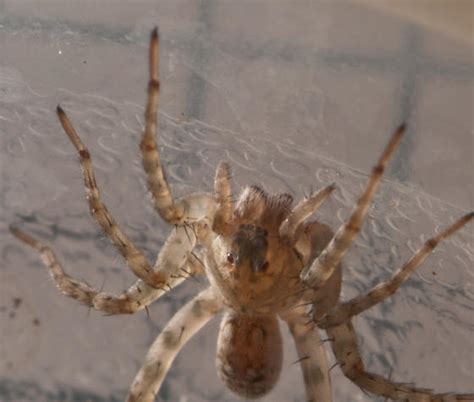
{"points": [[294, 95]]}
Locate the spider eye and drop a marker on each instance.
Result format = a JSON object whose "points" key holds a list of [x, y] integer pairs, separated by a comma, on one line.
{"points": [[230, 258], [262, 266]]}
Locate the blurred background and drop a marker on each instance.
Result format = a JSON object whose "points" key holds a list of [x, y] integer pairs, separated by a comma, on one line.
{"points": [[294, 95]]}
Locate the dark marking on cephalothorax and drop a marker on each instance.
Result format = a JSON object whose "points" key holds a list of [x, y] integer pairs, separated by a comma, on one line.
{"points": [[250, 245]]}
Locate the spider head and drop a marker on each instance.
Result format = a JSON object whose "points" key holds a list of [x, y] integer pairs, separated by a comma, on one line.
{"points": [[251, 260], [248, 249]]}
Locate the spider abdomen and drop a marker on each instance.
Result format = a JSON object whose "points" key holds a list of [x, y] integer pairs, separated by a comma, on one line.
{"points": [[249, 353]]}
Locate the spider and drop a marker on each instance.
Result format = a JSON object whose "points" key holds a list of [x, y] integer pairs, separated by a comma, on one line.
{"points": [[264, 262]]}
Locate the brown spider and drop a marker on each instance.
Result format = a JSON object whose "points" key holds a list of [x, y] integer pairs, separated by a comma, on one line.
{"points": [[264, 261]]}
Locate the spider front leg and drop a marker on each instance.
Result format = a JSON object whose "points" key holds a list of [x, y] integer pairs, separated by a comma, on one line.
{"points": [[172, 212], [185, 323], [135, 259], [175, 261], [176, 212], [223, 196], [323, 267], [196, 206]]}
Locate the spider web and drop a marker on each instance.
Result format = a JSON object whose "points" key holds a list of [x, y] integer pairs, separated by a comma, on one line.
{"points": [[49, 346]]}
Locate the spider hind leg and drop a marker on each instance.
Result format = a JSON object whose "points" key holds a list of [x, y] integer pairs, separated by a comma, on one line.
{"points": [[345, 348], [344, 341]]}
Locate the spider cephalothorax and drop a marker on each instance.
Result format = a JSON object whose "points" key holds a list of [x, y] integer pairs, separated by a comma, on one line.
{"points": [[251, 264], [265, 262]]}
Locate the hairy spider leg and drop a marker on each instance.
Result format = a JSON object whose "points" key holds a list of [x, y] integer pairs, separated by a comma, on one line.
{"points": [[323, 267], [171, 211], [134, 257], [135, 298], [344, 311], [312, 355], [344, 344], [179, 330]]}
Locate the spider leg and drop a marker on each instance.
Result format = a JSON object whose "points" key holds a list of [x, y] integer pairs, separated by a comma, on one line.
{"points": [[185, 323], [326, 263], [382, 291], [135, 259], [157, 184], [312, 356], [309, 244], [135, 298], [344, 345], [313, 239], [180, 212], [223, 195], [289, 228]]}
